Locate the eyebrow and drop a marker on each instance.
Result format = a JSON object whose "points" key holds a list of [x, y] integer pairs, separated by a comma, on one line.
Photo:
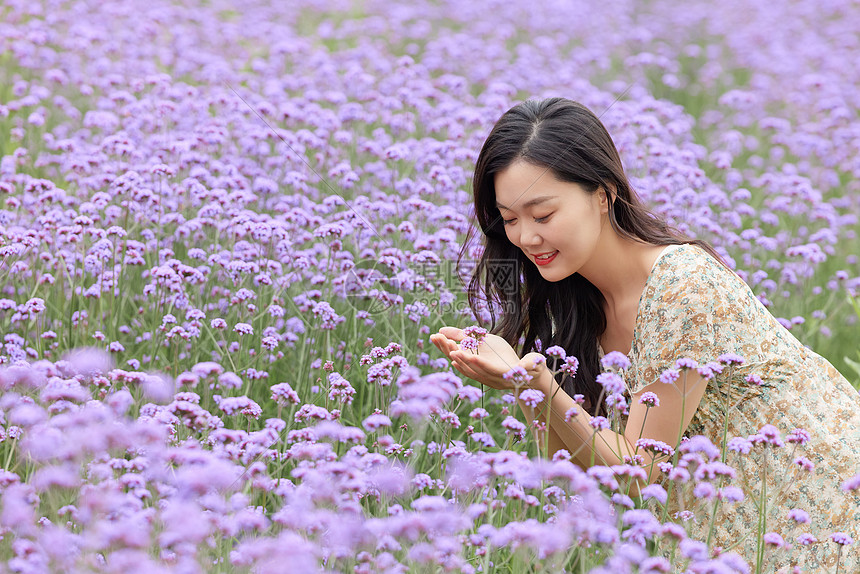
{"points": [[531, 202]]}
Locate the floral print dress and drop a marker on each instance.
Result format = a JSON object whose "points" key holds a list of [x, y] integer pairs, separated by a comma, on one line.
{"points": [[693, 307]]}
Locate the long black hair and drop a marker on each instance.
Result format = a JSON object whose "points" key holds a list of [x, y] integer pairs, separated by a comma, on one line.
{"points": [[568, 140]]}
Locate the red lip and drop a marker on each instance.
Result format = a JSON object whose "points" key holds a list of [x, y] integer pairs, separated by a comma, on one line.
{"points": [[544, 261]]}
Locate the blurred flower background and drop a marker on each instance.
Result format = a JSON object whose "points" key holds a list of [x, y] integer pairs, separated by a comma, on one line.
{"points": [[228, 228]]}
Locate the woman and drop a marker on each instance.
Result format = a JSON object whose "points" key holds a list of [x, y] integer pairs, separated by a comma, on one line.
{"points": [[601, 274]]}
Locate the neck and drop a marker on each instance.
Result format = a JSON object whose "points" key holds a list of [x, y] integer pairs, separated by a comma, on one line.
{"points": [[620, 268]]}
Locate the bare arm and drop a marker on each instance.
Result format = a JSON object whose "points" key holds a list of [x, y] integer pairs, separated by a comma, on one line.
{"points": [[667, 422], [550, 435], [678, 402]]}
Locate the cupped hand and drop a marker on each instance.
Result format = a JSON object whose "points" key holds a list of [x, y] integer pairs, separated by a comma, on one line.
{"points": [[493, 358]]}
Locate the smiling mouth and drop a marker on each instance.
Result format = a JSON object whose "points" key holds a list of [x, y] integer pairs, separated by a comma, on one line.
{"points": [[546, 256]]}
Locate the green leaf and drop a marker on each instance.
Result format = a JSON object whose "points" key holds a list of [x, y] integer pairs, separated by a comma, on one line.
{"points": [[854, 365], [855, 302]]}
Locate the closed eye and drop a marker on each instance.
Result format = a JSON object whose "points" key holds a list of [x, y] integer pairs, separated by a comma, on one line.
{"points": [[537, 219]]}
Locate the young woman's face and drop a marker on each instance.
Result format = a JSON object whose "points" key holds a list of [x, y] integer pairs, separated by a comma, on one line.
{"points": [[555, 223]]}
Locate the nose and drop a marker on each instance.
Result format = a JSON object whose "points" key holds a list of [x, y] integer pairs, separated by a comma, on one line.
{"points": [[529, 236]]}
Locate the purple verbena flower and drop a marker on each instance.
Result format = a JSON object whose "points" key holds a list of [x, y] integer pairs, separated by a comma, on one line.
{"points": [[798, 515], [484, 439], [615, 360], [556, 352], [655, 565], [841, 538], [570, 366], [242, 405], [512, 425], [754, 379], [730, 494], [243, 329], [700, 444], [739, 445], [612, 383], [773, 539], [693, 549], [731, 359], [852, 483], [599, 423], [770, 435], [479, 413], [654, 491], [518, 376], [704, 490], [376, 422], [470, 393], [673, 530], [469, 344], [532, 397], [798, 436], [207, 369], [806, 539], [649, 399], [686, 363], [655, 446], [475, 332]]}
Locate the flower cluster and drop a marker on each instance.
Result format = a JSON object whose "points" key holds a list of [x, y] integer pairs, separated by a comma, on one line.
{"points": [[225, 236]]}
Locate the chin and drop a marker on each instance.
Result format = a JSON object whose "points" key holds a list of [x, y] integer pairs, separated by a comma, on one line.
{"points": [[551, 275]]}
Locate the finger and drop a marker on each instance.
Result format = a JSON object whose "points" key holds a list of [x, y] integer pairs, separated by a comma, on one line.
{"points": [[447, 345], [451, 345], [452, 333], [485, 363], [460, 367], [462, 357], [467, 370], [470, 365], [444, 344], [473, 362], [440, 345]]}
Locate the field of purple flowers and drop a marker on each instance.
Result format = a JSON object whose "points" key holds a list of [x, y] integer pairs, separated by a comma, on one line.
{"points": [[228, 229]]}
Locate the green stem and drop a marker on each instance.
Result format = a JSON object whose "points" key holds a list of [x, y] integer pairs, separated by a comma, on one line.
{"points": [[713, 518], [683, 411], [9, 454], [762, 518]]}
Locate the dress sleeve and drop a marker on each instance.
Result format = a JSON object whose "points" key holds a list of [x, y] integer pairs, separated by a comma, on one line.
{"points": [[694, 307]]}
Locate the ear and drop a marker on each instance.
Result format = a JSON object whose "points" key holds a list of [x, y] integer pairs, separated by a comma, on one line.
{"points": [[605, 195]]}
